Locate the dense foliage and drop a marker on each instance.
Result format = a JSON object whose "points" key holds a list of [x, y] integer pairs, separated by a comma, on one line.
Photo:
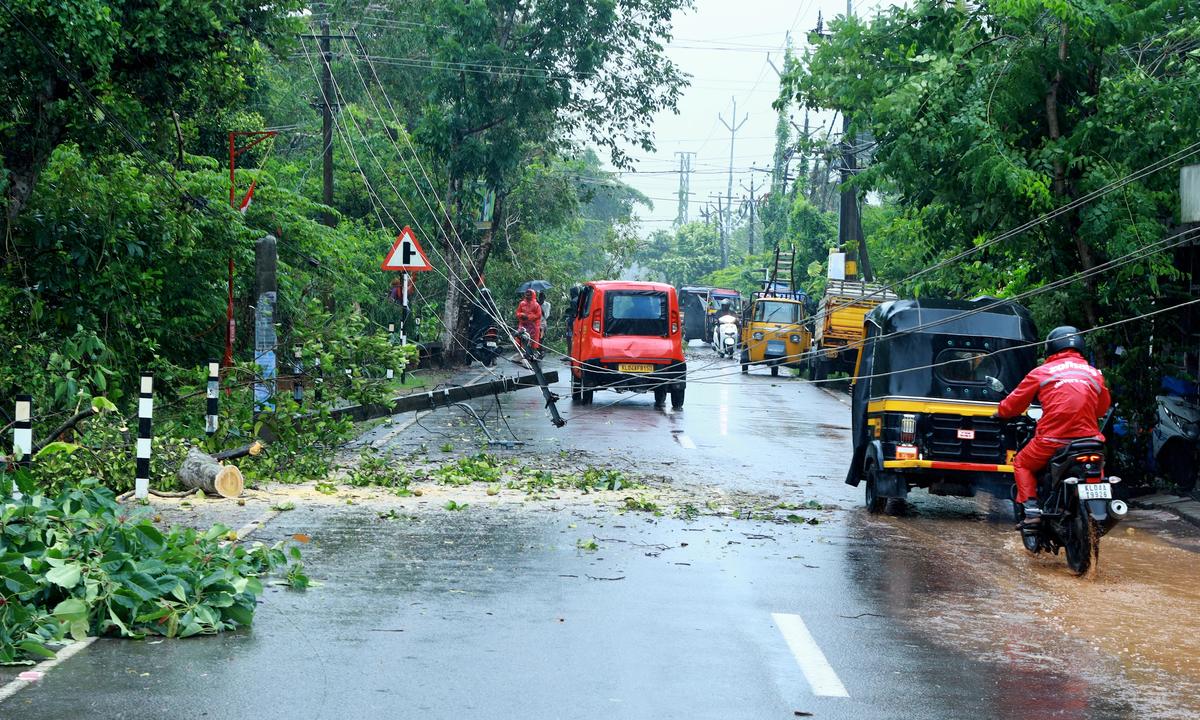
{"points": [[81, 565], [986, 116]]}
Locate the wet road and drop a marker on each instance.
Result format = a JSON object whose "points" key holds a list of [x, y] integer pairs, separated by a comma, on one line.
{"points": [[496, 612]]}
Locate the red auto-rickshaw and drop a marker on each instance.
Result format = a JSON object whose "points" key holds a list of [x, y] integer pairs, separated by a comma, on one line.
{"points": [[627, 337]]}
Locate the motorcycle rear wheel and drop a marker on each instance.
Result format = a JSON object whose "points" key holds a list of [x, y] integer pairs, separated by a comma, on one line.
{"points": [[1082, 542]]}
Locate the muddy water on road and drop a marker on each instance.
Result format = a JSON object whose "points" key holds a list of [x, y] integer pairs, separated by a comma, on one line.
{"points": [[959, 575]]}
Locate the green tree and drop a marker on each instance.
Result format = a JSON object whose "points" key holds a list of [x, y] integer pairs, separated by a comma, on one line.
{"points": [[62, 62], [986, 116], [504, 79]]}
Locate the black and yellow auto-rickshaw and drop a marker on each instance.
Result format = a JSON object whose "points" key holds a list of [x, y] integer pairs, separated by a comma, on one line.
{"points": [[929, 378], [775, 330]]}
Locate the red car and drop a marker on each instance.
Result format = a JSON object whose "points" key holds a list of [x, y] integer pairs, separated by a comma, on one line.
{"points": [[626, 336]]}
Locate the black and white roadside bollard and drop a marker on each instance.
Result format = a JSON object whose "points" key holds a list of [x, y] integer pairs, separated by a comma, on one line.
{"points": [[141, 482], [297, 377], [391, 341], [318, 381], [23, 435], [212, 393]]}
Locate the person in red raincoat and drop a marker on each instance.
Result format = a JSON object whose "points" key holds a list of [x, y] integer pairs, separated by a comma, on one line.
{"points": [[1073, 396], [529, 318]]}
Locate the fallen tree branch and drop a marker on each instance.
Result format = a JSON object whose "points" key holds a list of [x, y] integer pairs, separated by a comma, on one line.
{"points": [[159, 493], [68, 425], [253, 450]]}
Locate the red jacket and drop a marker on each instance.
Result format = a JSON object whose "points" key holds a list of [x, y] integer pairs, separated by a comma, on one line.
{"points": [[529, 313], [1072, 393]]}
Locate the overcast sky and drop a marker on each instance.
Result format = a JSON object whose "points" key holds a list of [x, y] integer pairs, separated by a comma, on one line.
{"points": [[724, 45]]}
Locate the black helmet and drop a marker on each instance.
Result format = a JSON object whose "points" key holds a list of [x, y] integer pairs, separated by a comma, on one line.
{"points": [[1064, 338], [726, 304]]}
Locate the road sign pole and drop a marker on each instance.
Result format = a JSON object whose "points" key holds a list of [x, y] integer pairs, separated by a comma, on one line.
{"points": [[404, 304]]}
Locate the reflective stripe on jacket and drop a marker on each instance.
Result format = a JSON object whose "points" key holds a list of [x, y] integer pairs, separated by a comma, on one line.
{"points": [[1072, 393]]}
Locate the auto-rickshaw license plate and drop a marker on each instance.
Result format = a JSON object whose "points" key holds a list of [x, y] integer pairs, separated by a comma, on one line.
{"points": [[966, 434], [1095, 491], [631, 368]]}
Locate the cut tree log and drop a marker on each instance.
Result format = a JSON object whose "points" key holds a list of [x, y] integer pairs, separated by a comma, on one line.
{"points": [[203, 472]]}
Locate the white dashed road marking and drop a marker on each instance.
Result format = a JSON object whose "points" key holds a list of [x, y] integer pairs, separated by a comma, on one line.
{"points": [[686, 442], [15, 686], [817, 670]]}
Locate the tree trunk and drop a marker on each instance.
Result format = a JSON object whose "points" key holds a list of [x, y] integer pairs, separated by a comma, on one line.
{"points": [[1061, 188], [202, 472], [454, 334], [25, 159]]}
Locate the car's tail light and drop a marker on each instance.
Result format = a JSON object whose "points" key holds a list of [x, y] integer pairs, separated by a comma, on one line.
{"points": [[596, 321], [908, 428]]}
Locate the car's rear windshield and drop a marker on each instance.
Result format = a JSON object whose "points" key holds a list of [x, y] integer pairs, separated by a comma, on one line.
{"points": [[635, 312], [777, 312]]}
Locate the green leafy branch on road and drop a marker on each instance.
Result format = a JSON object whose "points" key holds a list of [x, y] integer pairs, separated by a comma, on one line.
{"points": [[79, 565]]}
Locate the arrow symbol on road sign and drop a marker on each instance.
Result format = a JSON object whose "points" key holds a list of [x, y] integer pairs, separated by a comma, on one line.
{"points": [[406, 254]]}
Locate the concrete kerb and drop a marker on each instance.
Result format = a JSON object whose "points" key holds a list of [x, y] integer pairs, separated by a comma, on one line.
{"points": [[1183, 507]]}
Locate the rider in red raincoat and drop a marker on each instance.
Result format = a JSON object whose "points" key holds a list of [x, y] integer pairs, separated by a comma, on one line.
{"points": [[529, 318], [1073, 396]]}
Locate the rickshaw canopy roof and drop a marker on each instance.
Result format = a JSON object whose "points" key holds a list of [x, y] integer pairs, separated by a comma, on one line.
{"points": [[1008, 321]]}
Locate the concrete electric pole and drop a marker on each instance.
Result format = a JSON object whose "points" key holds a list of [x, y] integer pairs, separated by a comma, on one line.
{"points": [[685, 173], [327, 104], [751, 202], [850, 233], [727, 225]]}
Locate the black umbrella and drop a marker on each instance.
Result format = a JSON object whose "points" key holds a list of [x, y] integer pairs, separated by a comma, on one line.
{"points": [[534, 285]]}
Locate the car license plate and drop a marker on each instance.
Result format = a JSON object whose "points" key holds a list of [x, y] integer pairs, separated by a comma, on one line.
{"points": [[1095, 491], [966, 434], [630, 368]]}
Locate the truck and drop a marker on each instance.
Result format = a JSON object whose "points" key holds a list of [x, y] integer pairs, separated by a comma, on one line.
{"points": [[838, 322]]}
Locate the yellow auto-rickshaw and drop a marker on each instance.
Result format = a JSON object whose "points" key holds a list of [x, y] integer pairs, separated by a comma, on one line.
{"points": [[929, 378], [774, 330]]}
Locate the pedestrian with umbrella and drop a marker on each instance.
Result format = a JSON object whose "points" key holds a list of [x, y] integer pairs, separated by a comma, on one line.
{"points": [[529, 319]]}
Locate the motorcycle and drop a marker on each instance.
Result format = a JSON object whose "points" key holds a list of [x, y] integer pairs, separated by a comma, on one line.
{"points": [[725, 336], [485, 345], [1076, 496], [1176, 441]]}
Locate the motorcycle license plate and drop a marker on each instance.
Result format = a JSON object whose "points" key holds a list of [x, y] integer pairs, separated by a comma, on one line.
{"points": [[491, 344], [1095, 491], [630, 368], [966, 434]]}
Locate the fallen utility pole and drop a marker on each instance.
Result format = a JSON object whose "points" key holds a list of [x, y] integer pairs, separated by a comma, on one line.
{"points": [[543, 381], [444, 397]]}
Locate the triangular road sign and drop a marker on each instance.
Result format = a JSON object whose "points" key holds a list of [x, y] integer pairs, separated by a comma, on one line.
{"points": [[406, 254]]}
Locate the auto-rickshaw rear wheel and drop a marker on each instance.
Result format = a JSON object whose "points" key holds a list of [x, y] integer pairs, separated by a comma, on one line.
{"points": [[774, 371], [875, 503], [677, 397], [585, 397], [576, 389], [660, 397]]}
